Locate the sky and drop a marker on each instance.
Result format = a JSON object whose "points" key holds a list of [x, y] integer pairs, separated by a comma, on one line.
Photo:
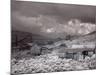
{"points": [[52, 20]]}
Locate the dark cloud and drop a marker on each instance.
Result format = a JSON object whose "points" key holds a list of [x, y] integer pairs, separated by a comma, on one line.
{"points": [[64, 11], [44, 18]]}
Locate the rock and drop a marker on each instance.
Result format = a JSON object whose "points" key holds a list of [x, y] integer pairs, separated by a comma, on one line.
{"points": [[93, 56], [87, 58], [35, 50], [90, 53]]}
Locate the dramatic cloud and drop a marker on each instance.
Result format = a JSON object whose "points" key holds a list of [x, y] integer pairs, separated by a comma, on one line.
{"points": [[52, 20]]}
